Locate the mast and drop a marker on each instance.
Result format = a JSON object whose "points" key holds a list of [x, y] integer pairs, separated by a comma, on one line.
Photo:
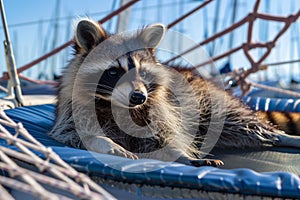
{"points": [[215, 26], [14, 88], [264, 36], [297, 42], [123, 20], [39, 66], [159, 10], [293, 41], [278, 74], [65, 53], [15, 40], [110, 22], [231, 35], [54, 40], [180, 25]]}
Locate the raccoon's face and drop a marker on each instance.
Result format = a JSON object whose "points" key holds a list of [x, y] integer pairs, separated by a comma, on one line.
{"points": [[129, 79]]}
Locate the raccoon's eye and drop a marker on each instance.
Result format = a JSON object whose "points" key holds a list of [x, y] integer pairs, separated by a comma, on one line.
{"points": [[113, 72], [143, 73]]}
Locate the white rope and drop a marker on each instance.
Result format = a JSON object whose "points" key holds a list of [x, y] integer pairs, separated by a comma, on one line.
{"points": [[4, 194], [60, 174]]}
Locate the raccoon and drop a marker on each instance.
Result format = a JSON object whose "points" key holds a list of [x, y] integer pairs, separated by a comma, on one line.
{"points": [[116, 98]]}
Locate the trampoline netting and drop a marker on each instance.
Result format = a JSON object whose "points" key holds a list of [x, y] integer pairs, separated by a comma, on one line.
{"points": [[265, 173]]}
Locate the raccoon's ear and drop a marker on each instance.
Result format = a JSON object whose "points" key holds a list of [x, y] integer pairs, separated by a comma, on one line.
{"points": [[88, 34], [152, 35]]}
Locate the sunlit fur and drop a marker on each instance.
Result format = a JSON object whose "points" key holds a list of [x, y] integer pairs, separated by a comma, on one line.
{"points": [[165, 121]]}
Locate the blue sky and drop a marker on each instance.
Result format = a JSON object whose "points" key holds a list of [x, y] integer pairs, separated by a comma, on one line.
{"points": [[32, 35]]}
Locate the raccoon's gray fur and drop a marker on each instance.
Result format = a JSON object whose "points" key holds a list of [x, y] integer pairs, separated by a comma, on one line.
{"points": [[115, 97]]}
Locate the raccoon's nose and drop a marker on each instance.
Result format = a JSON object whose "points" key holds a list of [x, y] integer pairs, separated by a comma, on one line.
{"points": [[137, 98]]}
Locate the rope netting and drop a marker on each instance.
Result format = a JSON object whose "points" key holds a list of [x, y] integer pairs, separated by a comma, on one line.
{"points": [[51, 171], [240, 78]]}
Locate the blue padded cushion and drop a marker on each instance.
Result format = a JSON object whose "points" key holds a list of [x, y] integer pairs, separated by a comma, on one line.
{"points": [[265, 100], [273, 104], [39, 119]]}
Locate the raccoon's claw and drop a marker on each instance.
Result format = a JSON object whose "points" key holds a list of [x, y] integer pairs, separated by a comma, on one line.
{"points": [[199, 162], [130, 155], [123, 153], [206, 162], [105, 145]]}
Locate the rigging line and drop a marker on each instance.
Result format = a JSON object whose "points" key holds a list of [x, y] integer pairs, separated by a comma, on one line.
{"points": [[219, 34], [231, 51], [282, 63], [49, 20], [74, 16], [63, 46], [252, 18], [274, 89], [188, 14], [211, 50]]}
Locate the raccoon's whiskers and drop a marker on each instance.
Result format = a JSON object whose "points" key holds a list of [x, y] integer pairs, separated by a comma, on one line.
{"points": [[105, 86], [94, 85], [107, 98], [103, 91]]}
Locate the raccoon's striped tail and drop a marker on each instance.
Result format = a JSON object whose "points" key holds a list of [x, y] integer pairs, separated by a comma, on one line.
{"points": [[287, 122]]}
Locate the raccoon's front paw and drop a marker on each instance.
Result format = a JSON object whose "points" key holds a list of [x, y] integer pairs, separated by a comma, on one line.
{"points": [[199, 162], [120, 151], [206, 162], [105, 145]]}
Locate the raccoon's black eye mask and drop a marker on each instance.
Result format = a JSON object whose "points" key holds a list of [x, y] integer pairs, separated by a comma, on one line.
{"points": [[114, 72], [109, 78]]}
